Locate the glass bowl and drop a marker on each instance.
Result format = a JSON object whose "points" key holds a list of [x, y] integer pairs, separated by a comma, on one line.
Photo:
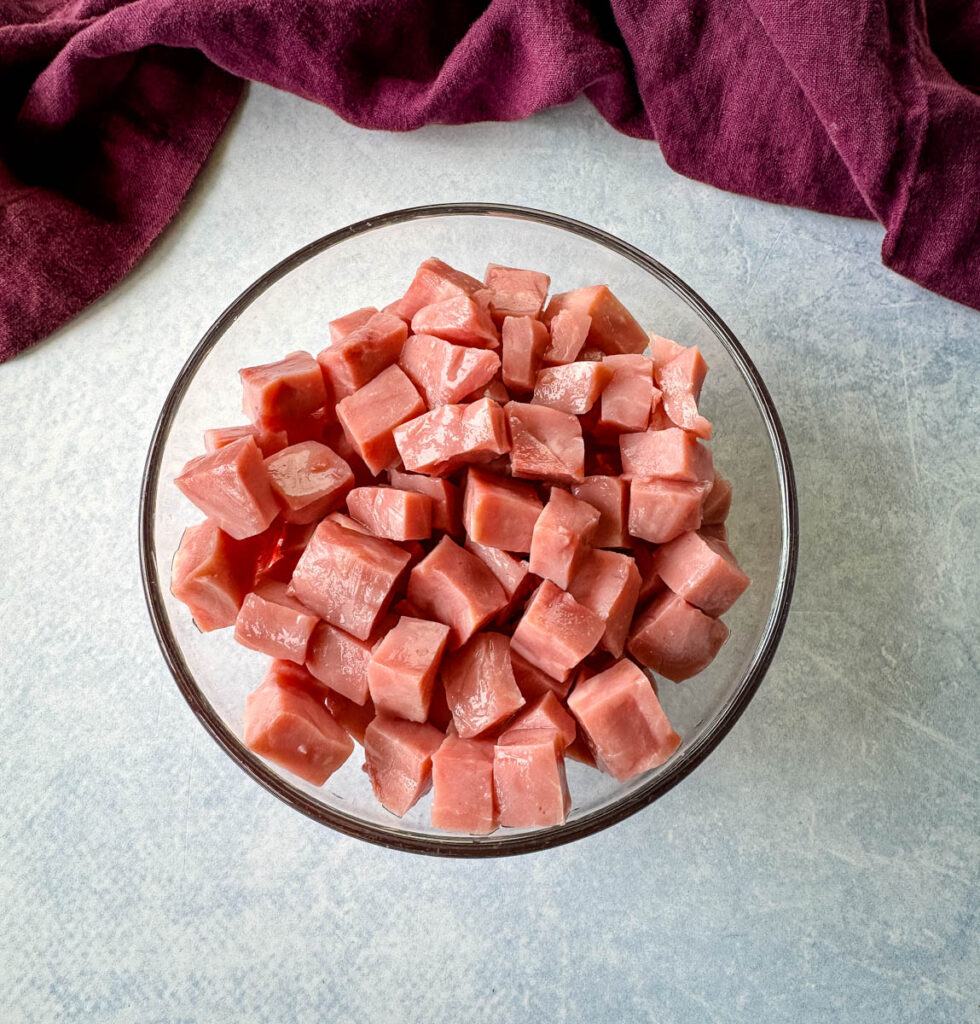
{"points": [[371, 263]]}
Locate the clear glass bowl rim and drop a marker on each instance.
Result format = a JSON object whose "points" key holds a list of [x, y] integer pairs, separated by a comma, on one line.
{"points": [[500, 843]]}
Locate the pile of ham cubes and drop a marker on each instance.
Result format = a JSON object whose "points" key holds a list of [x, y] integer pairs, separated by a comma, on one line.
{"points": [[457, 531]]}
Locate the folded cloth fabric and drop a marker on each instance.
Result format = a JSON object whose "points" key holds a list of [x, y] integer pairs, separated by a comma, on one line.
{"points": [[108, 109]]}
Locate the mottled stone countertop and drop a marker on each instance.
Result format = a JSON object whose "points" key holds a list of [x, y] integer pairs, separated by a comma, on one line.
{"points": [[822, 865]]}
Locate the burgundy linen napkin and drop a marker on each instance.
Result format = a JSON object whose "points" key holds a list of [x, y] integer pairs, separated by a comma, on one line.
{"points": [[109, 109]]}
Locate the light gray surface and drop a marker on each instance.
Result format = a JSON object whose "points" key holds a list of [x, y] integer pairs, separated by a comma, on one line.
{"points": [[822, 865]]}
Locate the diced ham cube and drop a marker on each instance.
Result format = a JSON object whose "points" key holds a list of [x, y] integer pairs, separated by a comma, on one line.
{"points": [[272, 622], [275, 394], [211, 574], [717, 502], [524, 342], [546, 444], [628, 398], [480, 686], [446, 373], [568, 330], [676, 639], [453, 586], [398, 757], [452, 435], [534, 683], [445, 496], [661, 510], [460, 319], [294, 730], [662, 350], [612, 329], [231, 486], [609, 495], [573, 388], [556, 632], [353, 718], [561, 539], [499, 512], [347, 578], [269, 441], [463, 799], [309, 480], [371, 414], [344, 326], [609, 585], [433, 282], [680, 382], [703, 571], [545, 713], [623, 721], [673, 453], [529, 778], [515, 292], [392, 513], [363, 354], [402, 669], [340, 661]]}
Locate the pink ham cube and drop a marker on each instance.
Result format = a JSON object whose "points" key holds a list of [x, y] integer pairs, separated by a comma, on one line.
{"points": [[673, 453], [680, 382], [612, 329], [627, 399], [545, 713], [661, 510], [433, 282], [211, 574], [524, 342], [717, 502], [676, 639], [402, 670], [662, 350], [340, 661], [534, 683], [515, 292], [445, 497], [398, 757], [546, 444], [573, 388], [291, 728], [561, 539], [272, 622], [453, 586], [609, 495], [231, 486], [463, 799], [623, 721], [529, 778], [341, 328], [276, 394], [363, 354], [556, 632], [450, 436], [498, 511], [392, 513], [609, 585], [480, 688], [269, 441], [460, 320], [703, 571], [351, 717], [309, 480], [371, 414], [347, 578], [445, 373], [568, 330]]}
